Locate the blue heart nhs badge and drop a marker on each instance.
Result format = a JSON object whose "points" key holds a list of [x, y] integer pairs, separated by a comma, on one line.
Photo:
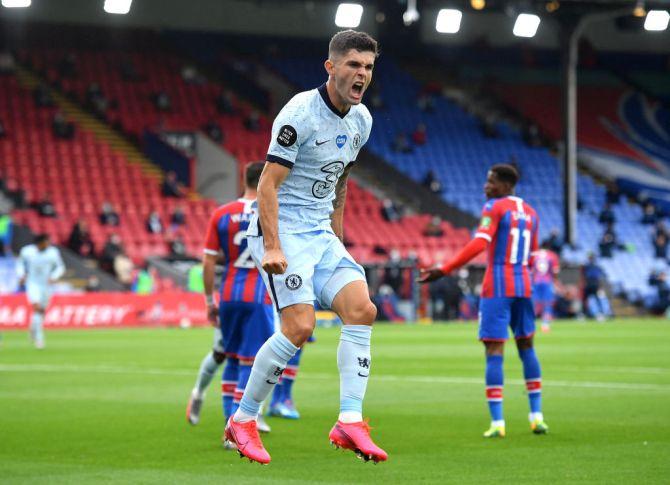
{"points": [[340, 141]]}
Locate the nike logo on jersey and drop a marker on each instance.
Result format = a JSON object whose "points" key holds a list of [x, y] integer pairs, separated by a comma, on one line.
{"points": [[270, 382], [319, 143], [363, 375]]}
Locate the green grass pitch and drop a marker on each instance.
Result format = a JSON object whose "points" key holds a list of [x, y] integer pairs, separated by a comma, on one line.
{"points": [[107, 406]]}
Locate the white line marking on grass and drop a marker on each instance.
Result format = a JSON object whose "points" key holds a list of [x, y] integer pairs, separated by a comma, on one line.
{"points": [[109, 369]]}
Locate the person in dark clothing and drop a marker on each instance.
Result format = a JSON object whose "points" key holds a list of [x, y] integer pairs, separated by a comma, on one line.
{"points": [[80, 239], [214, 131], [177, 249], [661, 246], [607, 245], [393, 273], [432, 183], [42, 96], [154, 224], [108, 216], [61, 127], [434, 228], [178, 217], [649, 216], [225, 103], [171, 186], [612, 195], [162, 101], [110, 251], [45, 207], [607, 215], [389, 211]]}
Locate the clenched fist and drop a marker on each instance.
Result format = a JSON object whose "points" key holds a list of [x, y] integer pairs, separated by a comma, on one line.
{"points": [[274, 261]]}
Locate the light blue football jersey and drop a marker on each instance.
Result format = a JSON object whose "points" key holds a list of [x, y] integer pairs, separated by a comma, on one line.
{"points": [[39, 267], [312, 138]]}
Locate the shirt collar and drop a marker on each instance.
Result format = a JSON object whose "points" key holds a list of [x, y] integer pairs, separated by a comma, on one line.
{"points": [[323, 91]]}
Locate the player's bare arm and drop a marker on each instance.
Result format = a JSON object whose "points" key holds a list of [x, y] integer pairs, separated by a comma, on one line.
{"points": [[208, 269], [337, 216], [274, 261]]}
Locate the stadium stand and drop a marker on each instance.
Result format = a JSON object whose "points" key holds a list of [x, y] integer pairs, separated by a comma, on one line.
{"points": [[460, 153]]}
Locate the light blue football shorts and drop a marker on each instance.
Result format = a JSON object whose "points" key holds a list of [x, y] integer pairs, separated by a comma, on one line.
{"points": [[319, 266], [39, 294]]}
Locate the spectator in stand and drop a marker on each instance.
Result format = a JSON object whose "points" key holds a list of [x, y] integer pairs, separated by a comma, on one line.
{"points": [[434, 227], [595, 300], [80, 240], [154, 224], [649, 215], [110, 251], [487, 124], [61, 127], [177, 249], [214, 131], [42, 96], [6, 234], [45, 207], [393, 272], [16, 194], [108, 216], [172, 187], [162, 101], [67, 66], [607, 215], [426, 103], [253, 121], [661, 229], [432, 183], [420, 136], [93, 284], [401, 144], [190, 75], [607, 245], [661, 304], [612, 194], [390, 212], [225, 103], [95, 100], [3, 131], [661, 246], [177, 218]]}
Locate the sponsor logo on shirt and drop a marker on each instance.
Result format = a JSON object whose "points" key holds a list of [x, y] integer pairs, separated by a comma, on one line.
{"points": [[340, 140]]}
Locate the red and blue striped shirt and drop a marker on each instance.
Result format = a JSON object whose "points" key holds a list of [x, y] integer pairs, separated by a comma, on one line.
{"points": [[510, 226], [227, 232]]}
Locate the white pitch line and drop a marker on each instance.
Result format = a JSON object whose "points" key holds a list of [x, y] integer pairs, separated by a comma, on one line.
{"points": [[105, 369]]}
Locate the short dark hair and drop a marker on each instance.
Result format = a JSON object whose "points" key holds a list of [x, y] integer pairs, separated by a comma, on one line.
{"points": [[41, 238], [252, 174], [506, 173], [344, 41]]}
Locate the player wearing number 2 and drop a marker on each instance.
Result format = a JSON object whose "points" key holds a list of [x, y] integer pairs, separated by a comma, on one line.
{"points": [[245, 315], [508, 228]]}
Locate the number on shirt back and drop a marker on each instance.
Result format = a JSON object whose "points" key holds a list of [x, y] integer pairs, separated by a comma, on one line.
{"points": [[515, 245], [244, 259]]}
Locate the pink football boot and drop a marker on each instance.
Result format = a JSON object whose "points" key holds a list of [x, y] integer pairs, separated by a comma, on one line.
{"points": [[249, 444], [356, 437]]}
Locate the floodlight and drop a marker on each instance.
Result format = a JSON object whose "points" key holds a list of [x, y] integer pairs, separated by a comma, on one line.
{"points": [[16, 3], [121, 7], [348, 15], [448, 21], [526, 25], [656, 20], [478, 4]]}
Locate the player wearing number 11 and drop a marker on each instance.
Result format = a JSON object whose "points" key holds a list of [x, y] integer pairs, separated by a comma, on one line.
{"points": [[508, 228]]}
